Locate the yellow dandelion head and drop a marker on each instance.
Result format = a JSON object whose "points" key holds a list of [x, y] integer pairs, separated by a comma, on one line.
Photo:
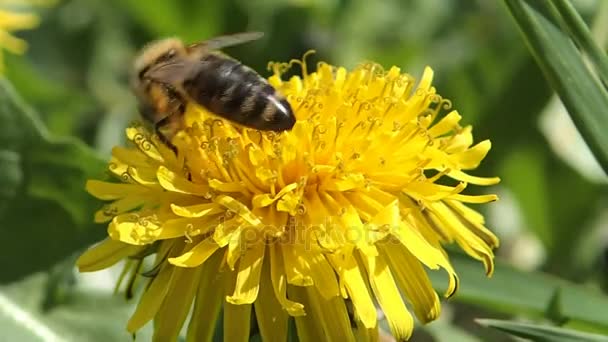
{"points": [[317, 223]]}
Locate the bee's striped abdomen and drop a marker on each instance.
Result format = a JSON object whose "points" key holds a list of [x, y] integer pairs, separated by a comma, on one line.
{"points": [[229, 89]]}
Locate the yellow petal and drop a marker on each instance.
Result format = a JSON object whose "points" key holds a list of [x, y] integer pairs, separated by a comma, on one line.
{"points": [[327, 317], [460, 141], [226, 186], [120, 206], [112, 191], [351, 221], [383, 285], [289, 203], [151, 300], [350, 276], [105, 254], [264, 200], [10, 20], [174, 310], [348, 182], [132, 156], [207, 303], [471, 158], [387, 219], [248, 277], [236, 248], [171, 181], [461, 176], [331, 315], [445, 125], [296, 267], [256, 155], [472, 244], [424, 86], [272, 319], [197, 210], [368, 335], [143, 176], [477, 199], [265, 175], [309, 327], [413, 281], [327, 232], [279, 282], [476, 222], [197, 255], [237, 319], [134, 229], [433, 192], [274, 222], [323, 275], [432, 257], [225, 230], [141, 138], [12, 43], [119, 169], [239, 208], [185, 227]]}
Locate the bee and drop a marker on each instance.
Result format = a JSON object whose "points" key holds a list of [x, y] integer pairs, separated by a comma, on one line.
{"points": [[169, 74]]}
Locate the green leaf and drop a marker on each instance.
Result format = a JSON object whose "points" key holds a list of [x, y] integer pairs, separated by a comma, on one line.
{"points": [[88, 315], [582, 35], [444, 331], [59, 170], [536, 332], [45, 213], [564, 67], [524, 293]]}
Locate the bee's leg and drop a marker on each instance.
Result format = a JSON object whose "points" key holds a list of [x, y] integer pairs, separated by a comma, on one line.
{"points": [[163, 138]]}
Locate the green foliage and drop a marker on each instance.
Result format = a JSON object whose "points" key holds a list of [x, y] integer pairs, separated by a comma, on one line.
{"points": [[565, 68], [44, 207], [540, 333], [535, 294]]}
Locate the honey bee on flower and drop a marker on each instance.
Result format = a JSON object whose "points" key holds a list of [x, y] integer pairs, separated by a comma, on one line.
{"points": [[347, 206], [168, 74]]}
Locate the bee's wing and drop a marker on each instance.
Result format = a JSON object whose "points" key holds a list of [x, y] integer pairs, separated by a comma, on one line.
{"points": [[178, 69], [173, 72], [221, 42]]}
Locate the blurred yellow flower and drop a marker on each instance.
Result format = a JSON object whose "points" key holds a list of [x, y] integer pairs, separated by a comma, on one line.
{"points": [[14, 17], [318, 223]]}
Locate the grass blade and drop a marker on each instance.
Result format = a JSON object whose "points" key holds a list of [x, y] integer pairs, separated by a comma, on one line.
{"points": [[537, 332], [564, 67], [582, 36], [532, 294]]}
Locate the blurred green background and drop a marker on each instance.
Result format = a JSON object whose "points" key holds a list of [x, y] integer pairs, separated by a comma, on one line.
{"points": [[66, 102]]}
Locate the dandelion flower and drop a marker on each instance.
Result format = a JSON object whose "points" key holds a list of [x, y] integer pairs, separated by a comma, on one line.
{"points": [[319, 224]]}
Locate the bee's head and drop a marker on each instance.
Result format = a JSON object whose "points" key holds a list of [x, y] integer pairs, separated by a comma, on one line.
{"points": [[157, 52]]}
